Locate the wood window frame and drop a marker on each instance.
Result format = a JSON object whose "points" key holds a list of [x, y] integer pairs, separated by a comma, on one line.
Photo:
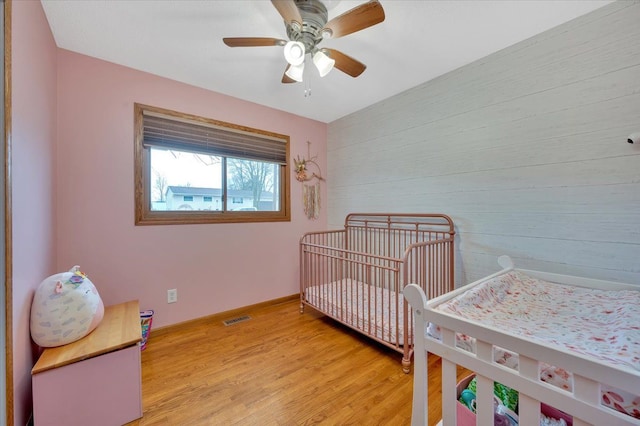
{"points": [[144, 215]]}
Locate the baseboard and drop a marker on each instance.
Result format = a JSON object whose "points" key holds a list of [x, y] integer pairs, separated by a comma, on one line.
{"points": [[220, 316]]}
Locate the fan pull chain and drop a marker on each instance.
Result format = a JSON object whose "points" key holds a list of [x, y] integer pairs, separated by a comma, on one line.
{"points": [[307, 89]]}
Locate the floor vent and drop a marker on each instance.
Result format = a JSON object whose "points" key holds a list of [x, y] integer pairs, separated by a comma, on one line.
{"points": [[236, 320]]}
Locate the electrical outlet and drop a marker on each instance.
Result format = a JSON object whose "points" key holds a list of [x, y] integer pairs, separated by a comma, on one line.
{"points": [[172, 295]]}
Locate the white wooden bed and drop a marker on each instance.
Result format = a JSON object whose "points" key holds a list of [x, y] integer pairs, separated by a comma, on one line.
{"points": [[590, 374]]}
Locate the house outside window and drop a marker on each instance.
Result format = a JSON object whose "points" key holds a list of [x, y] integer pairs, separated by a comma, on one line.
{"points": [[191, 169]]}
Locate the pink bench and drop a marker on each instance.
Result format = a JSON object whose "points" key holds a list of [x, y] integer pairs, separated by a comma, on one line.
{"points": [[95, 380]]}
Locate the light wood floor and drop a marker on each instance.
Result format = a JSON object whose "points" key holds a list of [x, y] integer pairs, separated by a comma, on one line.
{"points": [[279, 368]]}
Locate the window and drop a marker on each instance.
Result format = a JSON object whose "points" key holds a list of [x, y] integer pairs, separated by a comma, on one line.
{"points": [[190, 169]]}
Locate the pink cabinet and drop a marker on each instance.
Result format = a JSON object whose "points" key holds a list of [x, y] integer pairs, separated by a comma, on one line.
{"points": [[95, 380]]}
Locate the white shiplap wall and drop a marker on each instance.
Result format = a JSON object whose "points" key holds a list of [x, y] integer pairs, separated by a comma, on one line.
{"points": [[525, 149]]}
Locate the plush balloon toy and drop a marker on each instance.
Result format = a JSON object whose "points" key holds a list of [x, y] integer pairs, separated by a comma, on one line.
{"points": [[66, 307]]}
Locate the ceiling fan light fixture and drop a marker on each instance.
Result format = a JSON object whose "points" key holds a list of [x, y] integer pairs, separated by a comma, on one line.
{"points": [[323, 63], [295, 72], [294, 53]]}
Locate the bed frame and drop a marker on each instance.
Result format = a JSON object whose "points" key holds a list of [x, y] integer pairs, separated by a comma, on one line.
{"points": [[583, 403], [368, 264]]}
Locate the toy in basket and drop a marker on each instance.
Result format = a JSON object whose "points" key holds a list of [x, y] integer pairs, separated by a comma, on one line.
{"points": [[146, 318], [505, 406]]}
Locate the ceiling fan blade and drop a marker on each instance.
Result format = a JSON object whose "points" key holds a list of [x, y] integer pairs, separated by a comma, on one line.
{"points": [[345, 63], [356, 19], [286, 78], [288, 10], [253, 41]]}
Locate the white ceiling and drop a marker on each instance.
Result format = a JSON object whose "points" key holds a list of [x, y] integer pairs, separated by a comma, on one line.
{"points": [[182, 40]]}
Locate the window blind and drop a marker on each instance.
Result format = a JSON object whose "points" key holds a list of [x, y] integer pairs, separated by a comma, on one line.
{"points": [[167, 132]]}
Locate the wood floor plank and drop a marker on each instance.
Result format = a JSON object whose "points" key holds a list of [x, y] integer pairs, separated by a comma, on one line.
{"points": [[278, 368]]}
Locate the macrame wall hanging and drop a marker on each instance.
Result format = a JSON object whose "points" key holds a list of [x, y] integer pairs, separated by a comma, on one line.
{"points": [[310, 183]]}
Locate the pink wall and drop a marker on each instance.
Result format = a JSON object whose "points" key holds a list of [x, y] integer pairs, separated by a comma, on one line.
{"points": [[33, 180], [215, 267], [72, 170]]}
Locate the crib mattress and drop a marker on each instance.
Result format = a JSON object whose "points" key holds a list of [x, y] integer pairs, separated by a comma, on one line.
{"points": [[373, 310], [601, 324]]}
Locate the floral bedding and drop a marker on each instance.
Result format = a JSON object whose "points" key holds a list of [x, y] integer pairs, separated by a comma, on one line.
{"points": [[597, 323], [368, 308]]}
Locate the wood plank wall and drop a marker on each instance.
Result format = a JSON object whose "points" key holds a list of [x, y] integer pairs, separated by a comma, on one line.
{"points": [[526, 149]]}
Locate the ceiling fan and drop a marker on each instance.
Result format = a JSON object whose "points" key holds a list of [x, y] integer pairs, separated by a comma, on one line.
{"points": [[307, 24]]}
